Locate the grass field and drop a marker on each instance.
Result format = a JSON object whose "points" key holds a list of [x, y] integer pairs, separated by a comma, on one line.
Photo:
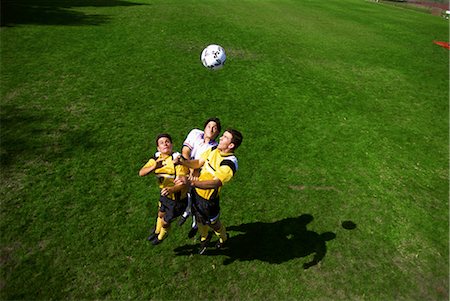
{"points": [[344, 108]]}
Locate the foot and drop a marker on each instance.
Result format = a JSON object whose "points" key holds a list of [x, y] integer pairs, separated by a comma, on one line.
{"points": [[204, 244], [156, 241], [220, 245], [152, 235], [192, 232]]}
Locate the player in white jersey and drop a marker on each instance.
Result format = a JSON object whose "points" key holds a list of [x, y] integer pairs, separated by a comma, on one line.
{"points": [[195, 144]]}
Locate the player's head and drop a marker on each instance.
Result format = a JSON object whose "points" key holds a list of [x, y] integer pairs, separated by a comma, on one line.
{"points": [[164, 143], [212, 128], [237, 137], [230, 140]]}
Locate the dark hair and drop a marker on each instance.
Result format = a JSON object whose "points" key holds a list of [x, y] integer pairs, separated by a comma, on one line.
{"points": [[164, 135], [216, 120], [237, 137]]}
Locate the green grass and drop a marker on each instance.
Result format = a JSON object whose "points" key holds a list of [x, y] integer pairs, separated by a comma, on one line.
{"points": [[344, 110]]}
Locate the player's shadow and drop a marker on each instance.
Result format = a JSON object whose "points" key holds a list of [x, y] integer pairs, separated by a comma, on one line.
{"points": [[32, 134], [55, 12], [275, 242]]}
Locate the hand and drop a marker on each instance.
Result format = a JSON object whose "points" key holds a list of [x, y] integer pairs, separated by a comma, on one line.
{"points": [[159, 163], [180, 181], [193, 178], [178, 160], [166, 191], [195, 174]]}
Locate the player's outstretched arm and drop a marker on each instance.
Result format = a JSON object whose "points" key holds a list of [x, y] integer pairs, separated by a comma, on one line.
{"points": [[186, 151], [206, 184], [193, 164]]}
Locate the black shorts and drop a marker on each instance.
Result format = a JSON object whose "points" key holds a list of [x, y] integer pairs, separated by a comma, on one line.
{"points": [[205, 211], [173, 209]]}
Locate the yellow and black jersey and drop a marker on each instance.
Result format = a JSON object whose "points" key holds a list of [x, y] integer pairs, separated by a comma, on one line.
{"points": [[217, 165], [167, 173]]}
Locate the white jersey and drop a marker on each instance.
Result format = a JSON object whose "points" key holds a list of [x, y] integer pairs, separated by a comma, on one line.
{"points": [[196, 143]]}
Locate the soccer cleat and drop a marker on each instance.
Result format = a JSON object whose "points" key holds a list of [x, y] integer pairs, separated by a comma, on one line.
{"points": [[220, 245], [156, 241], [192, 232], [204, 244], [152, 235]]}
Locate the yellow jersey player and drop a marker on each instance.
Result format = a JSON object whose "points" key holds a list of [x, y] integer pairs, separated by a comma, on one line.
{"points": [[173, 197], [218, 165]]}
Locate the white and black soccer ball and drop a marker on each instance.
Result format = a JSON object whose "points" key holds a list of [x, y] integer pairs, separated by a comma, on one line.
{"points": [[213, 57]]}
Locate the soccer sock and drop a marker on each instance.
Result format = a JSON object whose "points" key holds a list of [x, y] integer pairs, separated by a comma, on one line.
{"points": [[194, 222], [187, 211], [203, 230], [158, 225], [222, 233], [163, 232]]}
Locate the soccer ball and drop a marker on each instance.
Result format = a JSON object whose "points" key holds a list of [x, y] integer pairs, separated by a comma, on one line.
{"points": [[213, 57]]}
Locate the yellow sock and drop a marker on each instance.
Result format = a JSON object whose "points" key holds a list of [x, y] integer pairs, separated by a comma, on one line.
{"points": [[163, 232], [203, 230], [158, 225], [222, 233]]}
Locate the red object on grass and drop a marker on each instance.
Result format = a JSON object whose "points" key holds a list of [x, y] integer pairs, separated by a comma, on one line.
{"points": [[443, 44]]}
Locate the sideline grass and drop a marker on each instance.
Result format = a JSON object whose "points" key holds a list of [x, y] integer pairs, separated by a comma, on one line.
{"points": [[344, 110]]}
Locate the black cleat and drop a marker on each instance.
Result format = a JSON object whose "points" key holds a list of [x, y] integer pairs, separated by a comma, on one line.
{"points": [[152, 235], [192, 232], [156, 241], [220, 245], [204, 244]]}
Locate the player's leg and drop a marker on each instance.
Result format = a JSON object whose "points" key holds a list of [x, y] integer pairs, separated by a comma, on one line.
{"points": [[164, 229], [157, 229], [195, 208], [215, 223], [187, 212], [220, 231], [194, 228], [205, 237], [200, 209], [166, 213]]}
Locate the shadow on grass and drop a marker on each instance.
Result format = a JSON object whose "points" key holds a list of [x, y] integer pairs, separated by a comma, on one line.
{"points": [[275, 242], [27, 135], [54, 12]]}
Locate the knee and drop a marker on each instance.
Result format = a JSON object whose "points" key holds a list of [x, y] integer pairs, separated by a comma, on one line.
{"points": [[164, 223], [216, 226]]}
